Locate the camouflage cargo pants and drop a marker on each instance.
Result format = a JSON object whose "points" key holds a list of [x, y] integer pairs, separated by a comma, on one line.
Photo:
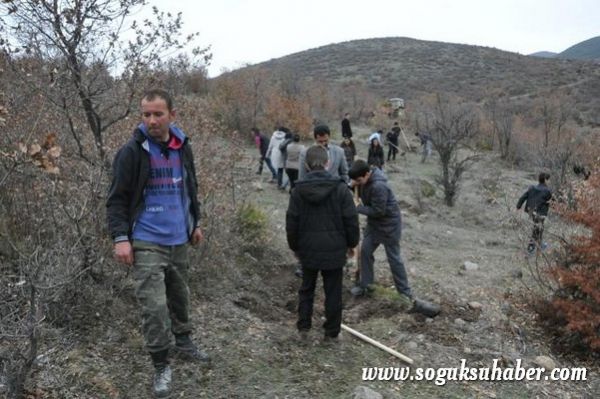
{"points": [[161, 276]]}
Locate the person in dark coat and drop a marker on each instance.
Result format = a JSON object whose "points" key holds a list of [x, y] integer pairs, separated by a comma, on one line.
{"points": [[322, 228], [392, 140], [376, 157], [262, 144], [384, 226], [537, 202], [346, 129]]}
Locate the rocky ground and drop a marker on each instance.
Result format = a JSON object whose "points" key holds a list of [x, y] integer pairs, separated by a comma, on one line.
{"points": [[245, 315]]}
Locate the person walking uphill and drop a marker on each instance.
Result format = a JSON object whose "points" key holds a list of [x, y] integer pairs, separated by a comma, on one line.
{"points": [[537, 202], [322, 228], [153, 214], [384, 226], [346, 128], [262, 143]]}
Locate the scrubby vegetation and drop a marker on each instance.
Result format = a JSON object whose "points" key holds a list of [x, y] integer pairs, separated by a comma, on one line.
{"points": [[65, 112]]}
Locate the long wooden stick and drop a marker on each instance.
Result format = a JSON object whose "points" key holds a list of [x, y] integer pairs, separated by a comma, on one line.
{"points": [[377, 344], [405, 140], [357, 201]]}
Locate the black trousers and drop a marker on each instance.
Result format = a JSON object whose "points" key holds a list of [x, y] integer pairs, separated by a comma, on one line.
{"points": [[292, 176], [392, 151], [332, 285]]}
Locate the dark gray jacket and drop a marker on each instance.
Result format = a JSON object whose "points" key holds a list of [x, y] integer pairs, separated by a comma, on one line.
{"points": [[321, 221], [380, 206], [536, 199], [131, 168]]}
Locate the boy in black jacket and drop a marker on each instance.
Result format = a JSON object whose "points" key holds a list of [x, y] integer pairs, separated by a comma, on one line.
{"points": [[322, 228], [536, 200]]}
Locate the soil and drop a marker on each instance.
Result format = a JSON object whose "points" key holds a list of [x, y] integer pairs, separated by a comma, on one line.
{"points": [[245, 315]]}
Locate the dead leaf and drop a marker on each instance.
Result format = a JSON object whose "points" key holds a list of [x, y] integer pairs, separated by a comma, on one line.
{"points": [[55, 151], [50, 141], [34, 149], [22, 147]]}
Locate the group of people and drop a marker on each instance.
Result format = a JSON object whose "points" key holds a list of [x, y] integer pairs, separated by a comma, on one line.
{"points": [[154, 216], [322, 230]]}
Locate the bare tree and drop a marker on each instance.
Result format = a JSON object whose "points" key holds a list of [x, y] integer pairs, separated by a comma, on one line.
{"points": [[92, 70], [452, 125], [501, 114]]}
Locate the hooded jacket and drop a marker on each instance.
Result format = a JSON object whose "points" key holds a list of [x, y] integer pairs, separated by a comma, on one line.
{"points": [[321, 221], [273, 151], [380, 206], [131, 169], [537, 198]]}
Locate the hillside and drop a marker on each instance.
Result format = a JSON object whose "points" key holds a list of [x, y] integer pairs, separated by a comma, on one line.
{"points": [[408, 68], [586, 50], [245, 312]]}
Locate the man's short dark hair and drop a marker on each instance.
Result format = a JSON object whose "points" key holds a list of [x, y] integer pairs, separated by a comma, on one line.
{"points": [[359, 169], [321, 130], [543, 177], [316, 157], [255, 130], [151, 95]]}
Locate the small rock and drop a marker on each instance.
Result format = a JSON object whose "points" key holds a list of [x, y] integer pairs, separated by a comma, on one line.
{"points": [[517, 274], [545, 362], [428, 320], [257, 186], [362, 392], [459, 322], [412, 271], [482, 242], [420, 337], [467, 350], [412, 345], [475, 305], [470, 266]]}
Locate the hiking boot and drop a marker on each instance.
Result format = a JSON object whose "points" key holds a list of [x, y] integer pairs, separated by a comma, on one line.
{"points": [[531, 248], [357, 290], [185, 346], [544, 246], [161, 385], [425, 308], [298, 272]]}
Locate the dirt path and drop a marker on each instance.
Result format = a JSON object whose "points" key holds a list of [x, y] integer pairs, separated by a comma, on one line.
{"points": [[435, 245]]}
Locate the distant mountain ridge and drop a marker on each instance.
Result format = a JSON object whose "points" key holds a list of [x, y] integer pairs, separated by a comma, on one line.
{"points": [[544, 54], [586, 50]]}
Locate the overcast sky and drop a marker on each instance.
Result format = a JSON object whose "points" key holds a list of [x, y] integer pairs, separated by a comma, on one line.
{"points": [[252, 31]]}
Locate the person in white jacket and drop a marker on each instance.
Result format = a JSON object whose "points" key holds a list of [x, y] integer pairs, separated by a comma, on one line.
{"points": [[275, 154]]}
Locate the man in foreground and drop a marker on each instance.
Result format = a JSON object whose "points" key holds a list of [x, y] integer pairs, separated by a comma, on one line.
{"points": [[153, 215]]}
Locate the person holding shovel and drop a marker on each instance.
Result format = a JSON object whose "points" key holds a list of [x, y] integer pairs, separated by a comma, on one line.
{"points": [[322, 228], [384, 226]]}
